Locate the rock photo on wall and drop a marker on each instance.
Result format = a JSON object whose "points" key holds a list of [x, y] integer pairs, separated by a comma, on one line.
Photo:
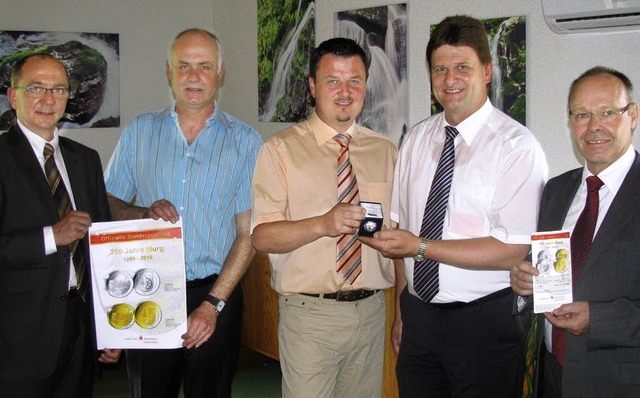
{"points": [[92, 61]]}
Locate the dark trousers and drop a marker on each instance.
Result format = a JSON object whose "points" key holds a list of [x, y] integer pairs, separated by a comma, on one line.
{"points": [[72, 376], [206, 371], [460, 350], [551, 375]]}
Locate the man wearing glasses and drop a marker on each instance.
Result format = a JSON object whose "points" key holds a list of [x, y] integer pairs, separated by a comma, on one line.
{"points": [[592, 346], [51, 190]]}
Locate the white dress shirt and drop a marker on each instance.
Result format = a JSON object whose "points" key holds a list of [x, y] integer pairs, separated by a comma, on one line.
{"points": [[499, 173], [37, 144]]}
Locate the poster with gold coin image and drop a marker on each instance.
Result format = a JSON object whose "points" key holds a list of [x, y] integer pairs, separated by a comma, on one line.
{"points": [[551, 255], [138, 282]]}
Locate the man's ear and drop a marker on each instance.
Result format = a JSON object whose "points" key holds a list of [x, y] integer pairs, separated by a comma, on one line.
{"points": [[11, 96], [312, 87]]}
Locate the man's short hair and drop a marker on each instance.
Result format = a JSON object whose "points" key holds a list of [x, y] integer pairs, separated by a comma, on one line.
{"points": [[205, 33], [16, 71], [460, 30], [340, 47], [603, 70]]}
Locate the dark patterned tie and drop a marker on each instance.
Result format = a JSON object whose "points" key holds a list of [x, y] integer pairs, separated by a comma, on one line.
{"points": [[62, 202], [581, 240], [348, 248], [426, 278]]}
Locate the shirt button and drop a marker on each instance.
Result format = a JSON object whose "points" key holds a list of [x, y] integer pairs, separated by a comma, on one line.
{"points": [[184, 180], [181, 208]]}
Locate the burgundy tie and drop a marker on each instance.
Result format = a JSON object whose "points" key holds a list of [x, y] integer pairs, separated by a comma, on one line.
{"points": [[581, 240]]}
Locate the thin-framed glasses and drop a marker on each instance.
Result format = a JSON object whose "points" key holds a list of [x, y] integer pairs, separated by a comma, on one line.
{"points": [[581, 118], [39, 91]]}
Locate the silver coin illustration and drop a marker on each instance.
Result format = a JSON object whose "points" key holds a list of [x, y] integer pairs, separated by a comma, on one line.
{"points": [[119, 284], [370, 226], [146, 281]]}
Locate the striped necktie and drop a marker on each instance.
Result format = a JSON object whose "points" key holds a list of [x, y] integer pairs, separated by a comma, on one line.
{"points": [[426, 278], [581, 240], [349, 250], [62, 201]]}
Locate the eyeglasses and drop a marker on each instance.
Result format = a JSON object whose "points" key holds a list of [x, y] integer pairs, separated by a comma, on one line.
{"points": [[39, 91], [605, 116]]}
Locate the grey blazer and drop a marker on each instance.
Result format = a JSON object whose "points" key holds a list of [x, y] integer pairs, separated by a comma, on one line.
{"points": [[605, 362]]}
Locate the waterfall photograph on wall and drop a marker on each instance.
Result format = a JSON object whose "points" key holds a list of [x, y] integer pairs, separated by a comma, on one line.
{"points": [[382, 32], [92, 61], [286, 38], [507, 43]]}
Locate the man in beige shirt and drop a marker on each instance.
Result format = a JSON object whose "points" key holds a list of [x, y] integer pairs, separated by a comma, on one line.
{"points": [[332, 316]]}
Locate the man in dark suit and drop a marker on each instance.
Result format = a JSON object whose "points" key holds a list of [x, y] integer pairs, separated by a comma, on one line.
{"points": [[46, 344], [602, 349]]}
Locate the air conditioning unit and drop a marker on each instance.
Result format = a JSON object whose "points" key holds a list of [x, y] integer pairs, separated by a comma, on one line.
{"points": [[591, 16]]}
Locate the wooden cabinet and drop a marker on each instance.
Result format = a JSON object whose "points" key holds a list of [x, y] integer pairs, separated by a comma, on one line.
{"points": [[260, 320]]}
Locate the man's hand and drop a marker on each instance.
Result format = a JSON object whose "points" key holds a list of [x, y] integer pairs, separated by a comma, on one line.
{"points": [[521, 276], [71, 227], [109, 356], [200, 326], [163, 209], [396, 334], [394, 243], [343, 218], [573, 317]]}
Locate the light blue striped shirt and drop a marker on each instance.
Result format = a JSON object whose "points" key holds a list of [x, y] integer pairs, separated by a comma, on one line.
{"points": [[208, 182]]}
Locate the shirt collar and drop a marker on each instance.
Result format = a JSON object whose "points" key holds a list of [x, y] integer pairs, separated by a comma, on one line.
{"points": [[614, 175], [218, 115], [37, 142], [469, 127], [325, 133]]}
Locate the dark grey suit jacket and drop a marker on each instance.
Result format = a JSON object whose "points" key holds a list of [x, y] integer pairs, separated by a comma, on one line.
{"points": [[605, 362], [33, 286]]}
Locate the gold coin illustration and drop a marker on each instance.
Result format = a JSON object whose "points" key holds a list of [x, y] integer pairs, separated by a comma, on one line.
{"points": [[562, 253], [560, 265], [148, 314], [121, 316]]}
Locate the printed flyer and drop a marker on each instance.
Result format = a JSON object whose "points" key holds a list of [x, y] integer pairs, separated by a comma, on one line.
{"points": [[139, 288], [551, 255]]}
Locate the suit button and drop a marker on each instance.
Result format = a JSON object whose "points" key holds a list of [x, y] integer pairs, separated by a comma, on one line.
{"points": [[63, 297]]}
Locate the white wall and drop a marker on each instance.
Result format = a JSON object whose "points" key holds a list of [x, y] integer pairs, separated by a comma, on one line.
{"points": [[553, 61], [146, 28]]}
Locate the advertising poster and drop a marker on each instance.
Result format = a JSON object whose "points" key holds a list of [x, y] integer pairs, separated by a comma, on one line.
{"points": [[139, 288], [551, 255]]}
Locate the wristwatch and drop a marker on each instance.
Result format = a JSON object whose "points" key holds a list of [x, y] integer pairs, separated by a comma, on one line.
{"points": [[423, 246], [218, 304]]}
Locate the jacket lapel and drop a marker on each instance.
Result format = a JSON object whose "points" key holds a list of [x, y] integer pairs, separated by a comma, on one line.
{"points": [[27, 162], [623, 207]]}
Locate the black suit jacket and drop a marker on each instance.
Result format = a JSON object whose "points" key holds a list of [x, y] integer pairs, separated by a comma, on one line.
{"points": [[605, 361], [33, 286]]}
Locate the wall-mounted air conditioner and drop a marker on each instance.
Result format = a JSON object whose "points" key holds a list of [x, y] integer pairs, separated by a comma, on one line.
{"points": [[591, 16]]}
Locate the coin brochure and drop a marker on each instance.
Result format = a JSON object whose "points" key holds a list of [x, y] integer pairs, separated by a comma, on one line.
{"points": [[138, 282], [372, 222], [551, 255]]}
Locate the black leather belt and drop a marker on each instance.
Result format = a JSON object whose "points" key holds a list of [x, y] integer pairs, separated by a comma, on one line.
{"points": [[201, 282], [460, 304], [347, 295]]}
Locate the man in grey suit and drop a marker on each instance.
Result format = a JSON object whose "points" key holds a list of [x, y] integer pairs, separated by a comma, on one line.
{"points": [[602, 326]]}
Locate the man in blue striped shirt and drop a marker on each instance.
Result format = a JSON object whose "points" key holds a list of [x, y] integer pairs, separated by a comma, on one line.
{"points": [[194, 161]]}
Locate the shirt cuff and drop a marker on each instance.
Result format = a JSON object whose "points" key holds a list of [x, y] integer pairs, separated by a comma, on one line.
{"points": [[49, 241]]}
